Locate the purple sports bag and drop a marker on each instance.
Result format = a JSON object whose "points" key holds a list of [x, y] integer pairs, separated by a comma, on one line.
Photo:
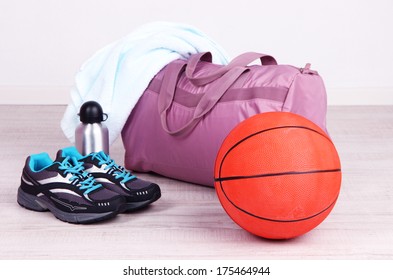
{"points": [[179, 123]]}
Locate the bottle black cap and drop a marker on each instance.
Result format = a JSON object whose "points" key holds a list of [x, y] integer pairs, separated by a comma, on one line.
{"points": [[91, 112]]}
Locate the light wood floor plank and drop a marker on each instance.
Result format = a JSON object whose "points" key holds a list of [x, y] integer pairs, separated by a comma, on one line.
{"points": [[188, 222]]}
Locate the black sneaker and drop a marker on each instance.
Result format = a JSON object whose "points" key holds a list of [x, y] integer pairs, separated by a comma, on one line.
{"points": [[138, 193], [66, 190]]}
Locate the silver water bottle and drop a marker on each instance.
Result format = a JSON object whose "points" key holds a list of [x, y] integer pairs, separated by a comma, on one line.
{"points": [[91, 135]]}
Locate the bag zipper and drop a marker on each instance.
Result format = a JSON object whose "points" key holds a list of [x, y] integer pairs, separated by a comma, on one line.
{"points": [[307, 70]]}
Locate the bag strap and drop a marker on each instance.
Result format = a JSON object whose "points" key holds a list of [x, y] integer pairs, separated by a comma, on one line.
{"points": [[205, 105], [167, 92], [248, 57], [241, 60]]}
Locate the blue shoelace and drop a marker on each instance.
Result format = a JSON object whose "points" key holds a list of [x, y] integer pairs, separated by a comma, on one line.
{"points": [[119, 171], [85, 180]]}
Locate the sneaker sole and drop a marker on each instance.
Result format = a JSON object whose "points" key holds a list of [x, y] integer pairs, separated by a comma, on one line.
{"points": [[133, 206], [35, 203]]}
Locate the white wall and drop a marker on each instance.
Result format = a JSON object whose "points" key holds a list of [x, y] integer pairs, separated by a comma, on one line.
{"points": [[350, 42]]}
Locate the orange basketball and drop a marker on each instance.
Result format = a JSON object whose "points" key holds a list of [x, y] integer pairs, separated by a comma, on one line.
{"points": [[277, 175]]}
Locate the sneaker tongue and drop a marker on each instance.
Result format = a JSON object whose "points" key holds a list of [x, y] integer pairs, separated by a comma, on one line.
{"points": [[69, 161], [60, 159], [71, 152], [59, 156], [58, 162]]}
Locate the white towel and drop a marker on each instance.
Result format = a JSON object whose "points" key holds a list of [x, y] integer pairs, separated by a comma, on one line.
{"points": [[117, 75]]}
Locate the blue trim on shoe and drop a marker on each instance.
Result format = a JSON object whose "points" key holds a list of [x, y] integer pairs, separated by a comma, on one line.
{"points": [[71, 152], [39, 162]]}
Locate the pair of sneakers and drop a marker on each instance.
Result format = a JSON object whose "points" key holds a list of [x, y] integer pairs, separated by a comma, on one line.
{"points": [[82, 189]]}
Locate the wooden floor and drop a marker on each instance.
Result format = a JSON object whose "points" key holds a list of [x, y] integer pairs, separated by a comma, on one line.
{"points": [[188, 222]]}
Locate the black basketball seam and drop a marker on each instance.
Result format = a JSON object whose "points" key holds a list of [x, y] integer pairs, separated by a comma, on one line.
{"points": [[265, 130], [275, 174], [252, 135], [260, 132], [281, 221]]}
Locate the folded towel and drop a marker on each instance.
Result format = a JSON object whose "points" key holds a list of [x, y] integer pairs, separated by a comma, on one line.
{"points": [[117, 75]]}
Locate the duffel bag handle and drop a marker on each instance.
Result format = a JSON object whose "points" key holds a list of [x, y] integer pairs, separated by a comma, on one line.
{"points": [[241, 60], [207, 102]]}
